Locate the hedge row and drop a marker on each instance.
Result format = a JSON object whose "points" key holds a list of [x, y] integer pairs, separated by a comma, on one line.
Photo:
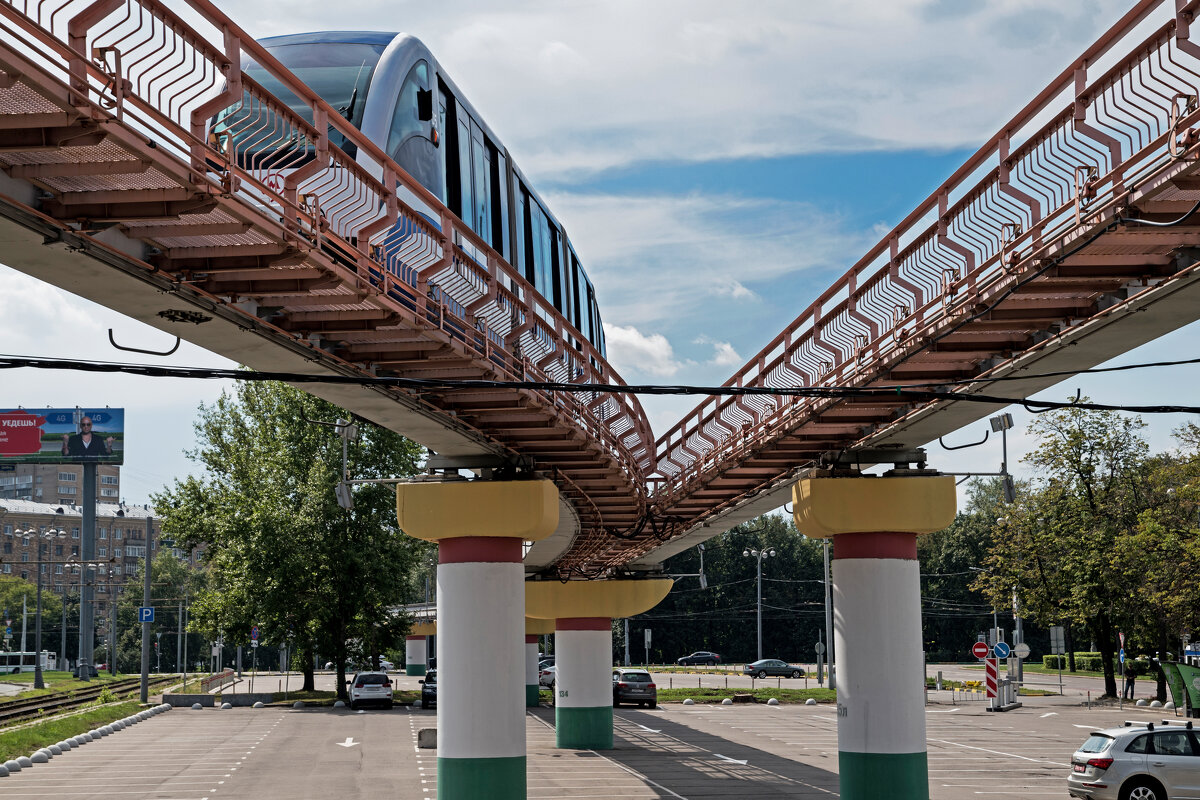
{"points": [[1091, 662]]}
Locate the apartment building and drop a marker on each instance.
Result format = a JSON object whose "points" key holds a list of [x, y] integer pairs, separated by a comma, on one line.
{"points": [[57, 483]]}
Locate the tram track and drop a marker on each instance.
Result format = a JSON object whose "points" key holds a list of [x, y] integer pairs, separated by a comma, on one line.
{"points": [[54, 703]]}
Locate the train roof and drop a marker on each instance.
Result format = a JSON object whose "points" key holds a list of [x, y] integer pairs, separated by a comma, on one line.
{"points": [[333, 37]]}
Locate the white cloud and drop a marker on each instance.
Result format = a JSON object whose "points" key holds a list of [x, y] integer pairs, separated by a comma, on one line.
{"points": [[725, 356], [577, 87], [633, 353]]}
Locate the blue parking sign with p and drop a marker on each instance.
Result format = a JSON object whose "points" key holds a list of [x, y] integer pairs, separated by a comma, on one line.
{"points": [[145, 613]]}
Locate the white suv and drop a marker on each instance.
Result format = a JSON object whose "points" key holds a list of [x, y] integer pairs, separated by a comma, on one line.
{"points": [[370, 688], [1141, 761]]}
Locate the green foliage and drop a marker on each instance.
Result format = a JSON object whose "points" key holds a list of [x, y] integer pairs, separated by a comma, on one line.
{"points": [[1088, 662], [13, 590], [171, 581], [29, 739], [1106, 538], [280, 551]]}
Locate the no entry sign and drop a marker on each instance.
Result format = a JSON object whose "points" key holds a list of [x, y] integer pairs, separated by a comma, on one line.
{"points": [[979, 650]]}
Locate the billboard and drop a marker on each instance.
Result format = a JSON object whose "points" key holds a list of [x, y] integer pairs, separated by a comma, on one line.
{"points": [[62, 435]]}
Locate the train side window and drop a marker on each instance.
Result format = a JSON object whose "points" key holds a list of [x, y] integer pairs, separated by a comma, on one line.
{"points": [[482, 221], [447, 148], [467, 213], [520, 215], [499, 201], [582, 320]]}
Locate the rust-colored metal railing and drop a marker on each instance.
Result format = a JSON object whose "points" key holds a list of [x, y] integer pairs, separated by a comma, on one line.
{"points": [[1059, 169], [167, 73]]}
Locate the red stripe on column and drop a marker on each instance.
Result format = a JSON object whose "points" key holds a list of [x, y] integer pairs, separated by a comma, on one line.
{"points": [[414, 638], [531, 638], [465, 549], [583, 624], [882, 544]]}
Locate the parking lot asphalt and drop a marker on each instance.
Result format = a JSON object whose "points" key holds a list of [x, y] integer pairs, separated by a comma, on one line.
{"points": [[683, 752]]}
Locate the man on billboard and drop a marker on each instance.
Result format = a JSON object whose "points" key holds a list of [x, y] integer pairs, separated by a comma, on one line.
{"points": [[85, 443]]}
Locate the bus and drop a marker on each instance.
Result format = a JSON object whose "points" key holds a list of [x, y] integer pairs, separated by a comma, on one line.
{"points": [[18, 661]]}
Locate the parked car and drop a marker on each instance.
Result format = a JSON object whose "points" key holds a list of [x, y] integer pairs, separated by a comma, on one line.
{"points": [[546, 661], [699, 657], [773, 666], [547, 675], [1141, 761], [386, 665], [429, 689], [370, 688], [634, 686]]}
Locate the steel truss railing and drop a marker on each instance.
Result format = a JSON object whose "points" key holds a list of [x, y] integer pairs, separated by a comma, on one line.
{"points": [[1060, 168], [168, 73]]}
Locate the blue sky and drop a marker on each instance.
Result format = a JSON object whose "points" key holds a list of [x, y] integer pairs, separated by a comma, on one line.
{"points": [[717, 164]]}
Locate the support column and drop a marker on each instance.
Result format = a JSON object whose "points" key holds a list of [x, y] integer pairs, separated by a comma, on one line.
{"points": [[480, 527], [532, 687], [583, 709], [414, 655], [534, 630], [874, 523], [583, 612]]}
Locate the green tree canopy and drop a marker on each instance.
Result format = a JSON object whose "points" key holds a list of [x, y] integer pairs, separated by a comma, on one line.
{"points": [[281, 553]]}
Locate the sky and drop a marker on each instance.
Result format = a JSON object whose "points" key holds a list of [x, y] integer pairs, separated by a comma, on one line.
{"points": [[716, 164]]}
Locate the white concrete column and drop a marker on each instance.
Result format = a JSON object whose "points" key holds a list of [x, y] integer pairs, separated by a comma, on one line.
{"points": [[531, 670], [414, 655], [583, 711], [481, 613]]}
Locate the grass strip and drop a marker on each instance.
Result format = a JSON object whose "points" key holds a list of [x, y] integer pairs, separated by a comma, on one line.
{"points": [[30, 739], [55, 682]]}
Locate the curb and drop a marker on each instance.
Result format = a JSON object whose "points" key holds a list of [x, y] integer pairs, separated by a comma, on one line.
{"points": [[44, 755]]}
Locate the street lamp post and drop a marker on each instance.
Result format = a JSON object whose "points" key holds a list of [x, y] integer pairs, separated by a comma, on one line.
{"points": [[49, 534], [759, 555]]}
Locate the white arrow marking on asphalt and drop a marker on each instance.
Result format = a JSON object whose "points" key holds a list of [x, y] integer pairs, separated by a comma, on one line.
{"points": [[727, 758], [348, 743], [1051, 714], [648, 730], [1085, 727]]}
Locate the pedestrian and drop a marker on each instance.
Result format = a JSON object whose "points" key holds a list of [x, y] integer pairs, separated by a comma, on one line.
{"points": [[1130, 677]]}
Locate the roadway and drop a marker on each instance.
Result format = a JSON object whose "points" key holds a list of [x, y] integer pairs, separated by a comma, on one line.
{"points": [[682, 752]]}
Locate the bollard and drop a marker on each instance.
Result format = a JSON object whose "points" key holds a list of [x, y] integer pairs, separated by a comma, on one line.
{"points": [[939, 680], [1089, 699]]}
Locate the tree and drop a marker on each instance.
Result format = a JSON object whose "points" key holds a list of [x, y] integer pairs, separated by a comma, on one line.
{"points": [[14, 591], [1063, 541], [171, 581], [280, 551]]}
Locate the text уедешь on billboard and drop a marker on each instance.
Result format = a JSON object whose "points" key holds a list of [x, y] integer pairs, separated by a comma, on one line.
{"points": [[62, 435]]}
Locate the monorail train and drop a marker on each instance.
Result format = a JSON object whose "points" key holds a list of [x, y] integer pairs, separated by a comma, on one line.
{"points": [[390, 87]]}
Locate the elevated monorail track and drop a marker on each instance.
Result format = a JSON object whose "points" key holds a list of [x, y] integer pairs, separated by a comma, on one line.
{"points": [[1069, 237]]}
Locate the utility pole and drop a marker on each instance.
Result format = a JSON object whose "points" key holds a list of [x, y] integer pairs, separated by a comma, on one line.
{"points": [[828, 616], [179, 640], [144, 690]]}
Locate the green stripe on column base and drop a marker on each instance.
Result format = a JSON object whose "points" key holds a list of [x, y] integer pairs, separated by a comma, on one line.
{"points": [[414, 669], [532, 695], [584, 728], [896, 776], [473, 778]]}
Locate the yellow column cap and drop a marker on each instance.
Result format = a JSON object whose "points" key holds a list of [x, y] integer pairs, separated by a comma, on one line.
{"points": [[825, 507], [613, 599], [423, 629], [526, 510]]}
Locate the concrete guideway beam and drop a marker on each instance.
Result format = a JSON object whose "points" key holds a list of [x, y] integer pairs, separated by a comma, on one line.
{"points": [[583, 612], [874, 523], [480, 528]]}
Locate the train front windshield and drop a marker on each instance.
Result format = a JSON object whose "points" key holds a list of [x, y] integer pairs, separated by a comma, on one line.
{"points": [[339, 72]]}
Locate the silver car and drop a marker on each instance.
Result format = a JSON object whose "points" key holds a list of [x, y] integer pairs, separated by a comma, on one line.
{"points": [[1140, 761]]}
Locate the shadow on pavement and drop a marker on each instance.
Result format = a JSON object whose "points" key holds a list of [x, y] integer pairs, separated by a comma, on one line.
{"points": [[678, 760]]}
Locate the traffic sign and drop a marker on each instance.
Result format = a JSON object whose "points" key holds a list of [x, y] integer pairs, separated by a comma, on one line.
{"points": [[145, 613], [1021, 650], [254, 633], [1122, 655], [254, 642], [1001, 650], [819, 647], [992, 676], [980, 650]]}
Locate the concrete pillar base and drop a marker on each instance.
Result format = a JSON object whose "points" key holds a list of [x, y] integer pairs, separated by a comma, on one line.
{"points": [[584, 728], [493, 778]]}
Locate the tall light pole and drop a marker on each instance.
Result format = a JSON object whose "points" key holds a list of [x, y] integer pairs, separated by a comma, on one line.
{"points": [[759, 555], [49, 535], [826, 580]]}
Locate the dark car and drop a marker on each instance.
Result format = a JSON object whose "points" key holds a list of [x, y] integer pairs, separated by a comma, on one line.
{"points": [[773, 666], [634, 686], [699, 657], [429, 689]]}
